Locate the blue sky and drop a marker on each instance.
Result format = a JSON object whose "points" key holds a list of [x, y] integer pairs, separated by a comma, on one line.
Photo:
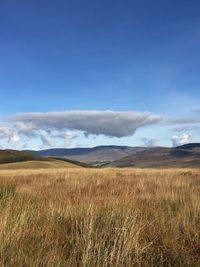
{"points": [[140, 56]]}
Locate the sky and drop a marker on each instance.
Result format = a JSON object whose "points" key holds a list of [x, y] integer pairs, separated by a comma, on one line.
{"points": [[87, 73]]}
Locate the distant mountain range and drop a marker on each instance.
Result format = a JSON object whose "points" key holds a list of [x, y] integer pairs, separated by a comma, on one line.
{"points": [[124, 156], [181, 156], [95, 155], [113, 156]]}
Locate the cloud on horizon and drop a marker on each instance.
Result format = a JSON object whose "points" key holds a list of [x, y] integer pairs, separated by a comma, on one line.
{"points": [[108, 123], [150, 142], [59, 129], [178, 140], [53, 125]]}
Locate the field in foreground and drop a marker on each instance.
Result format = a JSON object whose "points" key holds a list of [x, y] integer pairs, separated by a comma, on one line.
{"points": [[100, 217]]}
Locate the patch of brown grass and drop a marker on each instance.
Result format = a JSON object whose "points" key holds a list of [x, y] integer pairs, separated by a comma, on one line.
{"points": [[100, 217]]}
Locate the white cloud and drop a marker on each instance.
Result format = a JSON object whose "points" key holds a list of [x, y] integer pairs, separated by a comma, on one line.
{"points": [[5, 132], [51, 126], [46, 140], [27, 129], [181, 139], [67, 138], [10, 135], [108, 123], [148, 142], [14, 139]]}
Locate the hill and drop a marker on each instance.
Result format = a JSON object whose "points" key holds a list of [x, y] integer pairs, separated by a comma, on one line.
{"points": [[95, 155], [160, 157], [14, 159], [105, 156], [39, 164], [191, 146], [8, 156]]}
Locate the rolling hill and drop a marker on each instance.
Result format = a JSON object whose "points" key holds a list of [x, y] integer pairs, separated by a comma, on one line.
{"points": [[104, 156], [38, 164], [14, 159], [184, 156], [190, 146], [9, 155]]}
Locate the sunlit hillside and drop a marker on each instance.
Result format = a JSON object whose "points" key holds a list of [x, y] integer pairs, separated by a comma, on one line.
{"points": [[38, 164]]}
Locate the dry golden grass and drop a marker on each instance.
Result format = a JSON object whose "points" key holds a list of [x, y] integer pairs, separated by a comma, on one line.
{"points": [[100, 217]]}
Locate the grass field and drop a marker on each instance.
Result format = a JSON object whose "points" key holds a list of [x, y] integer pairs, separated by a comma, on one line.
{"points": [[100, 217]]}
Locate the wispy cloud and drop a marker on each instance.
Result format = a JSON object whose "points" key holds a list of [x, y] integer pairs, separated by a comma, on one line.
{"points": [[187, 120], [186, 128], [184, 121], [46, 141]]}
